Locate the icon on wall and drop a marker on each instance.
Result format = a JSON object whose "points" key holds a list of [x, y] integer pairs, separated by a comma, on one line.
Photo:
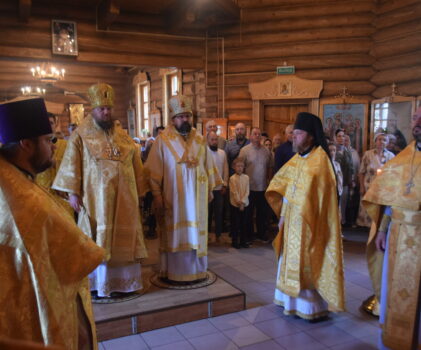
{"points": [[64, 37]]}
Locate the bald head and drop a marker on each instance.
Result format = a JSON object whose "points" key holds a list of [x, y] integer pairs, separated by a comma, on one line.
{"points": [[211, 126], [288, 132], [212, 138]]}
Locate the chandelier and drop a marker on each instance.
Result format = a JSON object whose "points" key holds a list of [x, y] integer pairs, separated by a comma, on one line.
{"points": [[47, 73], [32, 91]]}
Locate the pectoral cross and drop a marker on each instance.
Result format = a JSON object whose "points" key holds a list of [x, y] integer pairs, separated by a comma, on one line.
{"points": [[408, 186]]}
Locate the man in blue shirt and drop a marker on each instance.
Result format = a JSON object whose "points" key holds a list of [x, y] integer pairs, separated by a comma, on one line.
{"points": [[284, 152]]}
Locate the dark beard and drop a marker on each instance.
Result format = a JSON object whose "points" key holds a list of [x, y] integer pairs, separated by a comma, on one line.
{"points": [[240, 138], [36, 163], [213, 148], [417, 136], [184, 129], [105, 125]]}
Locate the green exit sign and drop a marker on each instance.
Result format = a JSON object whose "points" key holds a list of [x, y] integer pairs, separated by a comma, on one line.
{"points": [[285, 70]]}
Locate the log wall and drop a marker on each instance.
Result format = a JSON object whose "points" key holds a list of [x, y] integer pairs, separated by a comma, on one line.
{"points": [[104, 56], [364, 45], [326, 40], [397, 48]]}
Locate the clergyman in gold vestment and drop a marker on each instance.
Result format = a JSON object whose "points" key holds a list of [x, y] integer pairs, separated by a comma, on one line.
{"points": [[182, 176], [44, 257], [393, 201], [310, 279], [103, 174]]}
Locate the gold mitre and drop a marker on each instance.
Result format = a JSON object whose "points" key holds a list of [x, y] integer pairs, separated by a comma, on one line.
{"points": [[101, 95], [179, 104]]}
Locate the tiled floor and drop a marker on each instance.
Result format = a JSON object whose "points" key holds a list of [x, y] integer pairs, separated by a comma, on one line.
{"points": [[263, 326]]}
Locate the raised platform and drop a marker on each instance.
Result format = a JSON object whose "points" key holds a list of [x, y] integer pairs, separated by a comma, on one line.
{"points": [[159, 308]]}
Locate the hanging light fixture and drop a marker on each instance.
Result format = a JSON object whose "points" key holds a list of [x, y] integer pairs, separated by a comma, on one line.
{"points": [[32, 91], [48, 73]]}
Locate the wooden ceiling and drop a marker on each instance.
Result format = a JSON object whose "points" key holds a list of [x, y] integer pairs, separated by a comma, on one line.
{"points": [[181, 17]]}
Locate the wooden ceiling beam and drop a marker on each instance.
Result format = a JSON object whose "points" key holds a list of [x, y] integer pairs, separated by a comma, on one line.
{"points": [[229, 7], [181, 15], [25, 10], [108, 12]]}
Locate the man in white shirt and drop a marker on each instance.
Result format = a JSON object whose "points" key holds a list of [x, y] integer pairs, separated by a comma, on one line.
{"points": [[216, 206], [257, 161], [211, 126]]}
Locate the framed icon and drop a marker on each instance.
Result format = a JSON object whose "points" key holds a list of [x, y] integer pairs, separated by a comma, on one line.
{"points": [[64, 38], [350, 114]]}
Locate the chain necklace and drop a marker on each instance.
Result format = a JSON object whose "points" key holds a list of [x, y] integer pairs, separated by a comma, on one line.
{"points": [[412, 172]]}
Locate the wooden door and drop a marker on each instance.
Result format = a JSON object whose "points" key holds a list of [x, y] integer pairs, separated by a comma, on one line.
{"points": [[279, 116]]}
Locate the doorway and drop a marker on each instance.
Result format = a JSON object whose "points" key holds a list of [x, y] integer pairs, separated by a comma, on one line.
{"points": [[277, 116]]}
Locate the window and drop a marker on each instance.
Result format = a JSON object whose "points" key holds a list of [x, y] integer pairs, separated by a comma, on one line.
{"points": [[142, 105], [171, 86], [381, 111], [173, 78]]}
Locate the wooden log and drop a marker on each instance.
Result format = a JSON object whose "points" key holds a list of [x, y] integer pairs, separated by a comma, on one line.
{"points": [[299, 23], [397, 75], [239, 115], [393, 5], [337, 74], [187, 78], [346, 46], [238, 93], [65, 11], [282, 12], [412, 58], [332, 88], [397, 31], [298, 36], [135, 59], [249, 4], [112, 42], [245, 79], [238, 104], [108, 12], [334, 74], [188, 89], [300, 62], [25, 10], [139, 43], [412, 88], [401, 15], [397, 47]]}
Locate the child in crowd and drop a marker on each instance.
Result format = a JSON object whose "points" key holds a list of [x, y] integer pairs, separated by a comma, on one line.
{"points": [[336, 167], [239, 193]]}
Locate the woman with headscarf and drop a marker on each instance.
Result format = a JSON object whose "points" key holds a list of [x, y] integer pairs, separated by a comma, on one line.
{"points": [[372, 162]]}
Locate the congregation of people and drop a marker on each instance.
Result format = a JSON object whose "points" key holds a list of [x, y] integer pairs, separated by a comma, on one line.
{"points": [[76, 213]]}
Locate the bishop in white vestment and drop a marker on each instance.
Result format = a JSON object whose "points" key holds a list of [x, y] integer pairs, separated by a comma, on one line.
{"points": [[182, 175]]}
